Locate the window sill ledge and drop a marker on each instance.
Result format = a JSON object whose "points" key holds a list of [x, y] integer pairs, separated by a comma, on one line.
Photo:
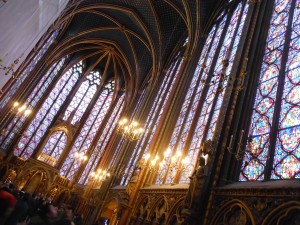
{"points": [[274, 184]]}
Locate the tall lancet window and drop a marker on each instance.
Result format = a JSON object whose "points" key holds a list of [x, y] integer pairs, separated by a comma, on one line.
{"points": [[89, 130], [273, 151], [20, 79], [54, 147], [153, 117], [102, 138], [80, 101], [205, 95], [44, 117], [15, 126], [83, 97]]}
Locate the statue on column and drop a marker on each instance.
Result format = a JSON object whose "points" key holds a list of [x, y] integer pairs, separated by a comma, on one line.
{"points": [[195, 194], [196, 184], [135, 175]]}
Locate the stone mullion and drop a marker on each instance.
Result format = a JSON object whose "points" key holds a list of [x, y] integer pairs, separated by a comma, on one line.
{"points": [[160, 138], [205, 89], [21, 94], [169, 117], [238, 67], [108, 153], [146, 108], [60, 113], [254, 36], [84, 117], [8, 118], [149, 104], [223, 76], [110, 147], [125, 149], [145, 111], [112, 144], [237, 83], [61, 135], [142, 116], [162, 127], [187, 113], [194, 123]]}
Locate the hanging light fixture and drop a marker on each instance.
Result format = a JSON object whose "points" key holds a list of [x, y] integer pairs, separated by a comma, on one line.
{"points": [[130, 130], [21, 110], [80, 157]]}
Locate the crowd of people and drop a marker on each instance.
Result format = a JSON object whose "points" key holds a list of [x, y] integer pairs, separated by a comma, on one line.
{"points": [[21, 208]]}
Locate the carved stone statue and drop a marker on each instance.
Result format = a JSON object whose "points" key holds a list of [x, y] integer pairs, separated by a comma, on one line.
{"points": [[195, 192], [207, 149], [197, 180], [133, 180]]}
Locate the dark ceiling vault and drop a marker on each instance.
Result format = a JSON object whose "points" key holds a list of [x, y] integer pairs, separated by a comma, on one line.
{"points": [[131, 40]]}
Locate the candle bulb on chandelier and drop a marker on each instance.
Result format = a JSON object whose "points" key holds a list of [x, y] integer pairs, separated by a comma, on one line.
{"points": [[241, 137], [230, 142]]}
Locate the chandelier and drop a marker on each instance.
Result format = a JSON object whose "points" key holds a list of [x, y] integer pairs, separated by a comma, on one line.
{"points": [[170, 164], [80, 157], [98, 176], [21, 110], [130, 130], [12, 67]]}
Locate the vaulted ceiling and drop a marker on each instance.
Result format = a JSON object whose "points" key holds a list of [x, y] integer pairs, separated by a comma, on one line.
{"points": [[130, 40]]}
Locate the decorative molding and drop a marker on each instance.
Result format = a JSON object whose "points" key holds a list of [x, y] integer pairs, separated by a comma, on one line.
{"points": [[260, 205], [158, 205]]}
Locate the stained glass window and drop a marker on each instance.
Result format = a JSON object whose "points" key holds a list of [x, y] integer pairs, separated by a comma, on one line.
{"points": [[88, 132], [55, 145], [105, 135], [275, 123], [44, 117], [205, 95], [15, 126], [83, 97], [152, 118], [120, 146], [28, 69]]}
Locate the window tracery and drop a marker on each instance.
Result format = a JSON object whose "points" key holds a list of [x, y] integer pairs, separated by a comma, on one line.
{"points": [[154, 115], [15, 126], [88, 132], [55, 145], [275, 123], [205, 95], [44, 117], [83, 97], [97, 152], [28, 69]]}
